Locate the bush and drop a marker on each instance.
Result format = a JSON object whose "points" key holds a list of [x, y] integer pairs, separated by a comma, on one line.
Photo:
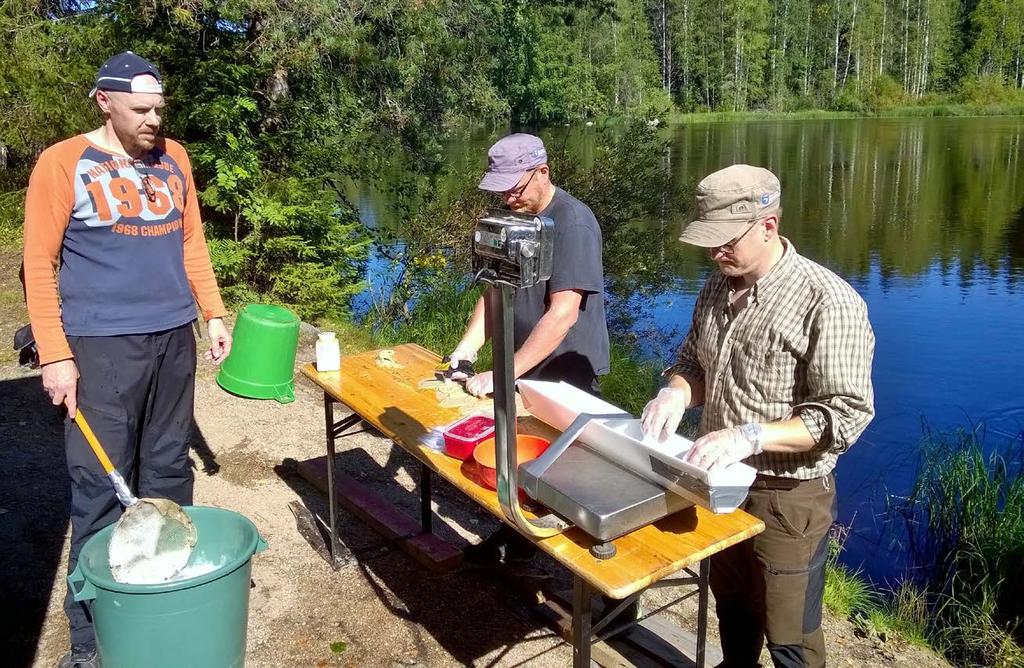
{"points": [[12, 217], [988, 90], [847, 100], [884, 92]]}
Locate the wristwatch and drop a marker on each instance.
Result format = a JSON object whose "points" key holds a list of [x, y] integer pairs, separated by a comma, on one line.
{"points": [[752, 432]]}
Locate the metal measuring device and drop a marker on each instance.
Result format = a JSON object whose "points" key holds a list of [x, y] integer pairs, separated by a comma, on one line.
{"points": [[513, 251]]}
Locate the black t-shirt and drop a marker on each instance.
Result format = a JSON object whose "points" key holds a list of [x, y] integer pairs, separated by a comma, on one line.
{"points": [[583, 354]]}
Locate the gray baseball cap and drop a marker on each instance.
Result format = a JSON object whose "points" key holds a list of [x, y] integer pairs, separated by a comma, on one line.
{"points": [[728, 201], [509, 159]]}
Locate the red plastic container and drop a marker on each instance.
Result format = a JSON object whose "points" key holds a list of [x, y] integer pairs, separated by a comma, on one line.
{"points": [[460, 438]]}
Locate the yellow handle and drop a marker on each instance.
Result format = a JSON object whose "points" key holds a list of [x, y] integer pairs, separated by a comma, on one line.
{"points": [[93, 442]]}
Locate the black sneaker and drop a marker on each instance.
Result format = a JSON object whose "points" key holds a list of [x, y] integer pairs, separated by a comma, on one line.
{"points": [[504, 547], [80, 656]]}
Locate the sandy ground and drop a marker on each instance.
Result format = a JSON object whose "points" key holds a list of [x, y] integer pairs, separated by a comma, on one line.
{"points": [[384, 608]]}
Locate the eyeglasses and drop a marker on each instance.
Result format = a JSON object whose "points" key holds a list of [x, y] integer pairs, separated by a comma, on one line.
{"points": [[516, 193], [730, 247], [147, 184]]}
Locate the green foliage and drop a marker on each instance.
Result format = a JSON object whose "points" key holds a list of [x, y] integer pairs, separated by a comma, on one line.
{"points": [[965, 520], [885, 93], [847, 593], [282, 105], [12, 213], [441, 314], [49, 62], [631, 382], [902, 613], [907, 614], [990, 89], [629, 181]]}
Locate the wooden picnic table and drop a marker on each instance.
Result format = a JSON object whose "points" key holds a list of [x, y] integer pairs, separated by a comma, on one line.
{"points": [[391, 400]]}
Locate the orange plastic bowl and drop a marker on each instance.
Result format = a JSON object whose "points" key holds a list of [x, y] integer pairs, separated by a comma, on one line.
{"points": [[527, 447]]}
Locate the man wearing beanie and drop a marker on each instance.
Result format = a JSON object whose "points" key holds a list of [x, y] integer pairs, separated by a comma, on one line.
{"points": [[779, 355], [116, 211]]}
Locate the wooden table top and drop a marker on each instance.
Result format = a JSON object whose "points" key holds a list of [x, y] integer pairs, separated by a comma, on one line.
{"points": [[391, 401]]}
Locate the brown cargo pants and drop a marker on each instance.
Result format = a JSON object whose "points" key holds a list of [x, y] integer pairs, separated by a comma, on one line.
{"points": [[771, 586]]}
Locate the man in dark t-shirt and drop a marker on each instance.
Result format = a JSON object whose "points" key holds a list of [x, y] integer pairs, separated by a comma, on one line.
{"points": [[560, 330]]}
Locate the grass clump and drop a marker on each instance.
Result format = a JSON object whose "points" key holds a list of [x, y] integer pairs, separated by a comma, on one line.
{"points": [[965, 523], [631, 382], [12, 216], [847, 593]]}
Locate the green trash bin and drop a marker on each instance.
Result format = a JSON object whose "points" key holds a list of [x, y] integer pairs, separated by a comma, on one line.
{"points": [[198, 621], [262, 360]]}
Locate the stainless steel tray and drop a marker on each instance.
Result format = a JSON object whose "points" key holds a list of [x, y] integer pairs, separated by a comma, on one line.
{"points": [[599, 496]]}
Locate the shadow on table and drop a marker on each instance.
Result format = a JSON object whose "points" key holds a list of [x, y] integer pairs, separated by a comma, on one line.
{"points": [[468, 613]]}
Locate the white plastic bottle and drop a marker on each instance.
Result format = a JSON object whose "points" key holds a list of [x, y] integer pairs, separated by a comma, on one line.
{"points": [[328, 352]]}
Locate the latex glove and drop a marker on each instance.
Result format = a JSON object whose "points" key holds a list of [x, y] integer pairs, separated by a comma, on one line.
{"points": [[481, 384], [718, 449], [663, 413], [457, 356], [60, 380], [220, 341]]}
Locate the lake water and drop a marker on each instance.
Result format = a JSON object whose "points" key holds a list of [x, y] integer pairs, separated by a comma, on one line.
{"points": [[925, 218]]}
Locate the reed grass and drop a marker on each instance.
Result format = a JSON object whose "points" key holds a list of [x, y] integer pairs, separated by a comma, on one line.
{"points": [[965, 524]]}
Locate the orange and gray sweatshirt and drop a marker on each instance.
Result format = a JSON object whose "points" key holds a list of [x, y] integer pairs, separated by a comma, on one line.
{"points": [[127, 237]]}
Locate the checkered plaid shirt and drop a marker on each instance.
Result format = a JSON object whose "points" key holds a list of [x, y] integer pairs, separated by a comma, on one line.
{"points": [[802, 345]]}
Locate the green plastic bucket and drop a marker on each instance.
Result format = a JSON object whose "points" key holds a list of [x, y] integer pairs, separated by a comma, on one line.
{"points": [[198, 621], [262, 360]]}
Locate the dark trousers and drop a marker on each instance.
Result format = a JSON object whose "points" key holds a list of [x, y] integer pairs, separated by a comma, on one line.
{"points": [[772, 585], [136, 391]]}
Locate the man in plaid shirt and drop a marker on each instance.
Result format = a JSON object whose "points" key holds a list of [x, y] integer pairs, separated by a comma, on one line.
{"points": [[779, 355]]}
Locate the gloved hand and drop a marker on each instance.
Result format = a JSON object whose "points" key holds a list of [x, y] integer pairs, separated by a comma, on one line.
{"points": [[718, 449], [458, 355], [481, 384], [663, 413]]}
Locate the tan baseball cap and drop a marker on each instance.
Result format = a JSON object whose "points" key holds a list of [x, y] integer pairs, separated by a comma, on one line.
{"points": [[728, 201]]}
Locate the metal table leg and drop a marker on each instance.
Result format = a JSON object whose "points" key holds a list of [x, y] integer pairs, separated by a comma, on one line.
{"points": [[426, 512], [334, 430], [702, 610], [329, 419], [582, 594]]}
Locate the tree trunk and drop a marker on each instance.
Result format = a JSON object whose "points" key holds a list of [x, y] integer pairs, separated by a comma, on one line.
{"points": [[785, 31], [686, 49], [666, 62], [737, 37], [807, 51], [906, 45], [924, 56], [835, 59], [881, 51], [849, 43], [615, 50], [721, 68]]}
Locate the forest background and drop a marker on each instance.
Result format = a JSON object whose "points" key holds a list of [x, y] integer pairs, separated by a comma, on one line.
{"points": [[282, 104]]}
